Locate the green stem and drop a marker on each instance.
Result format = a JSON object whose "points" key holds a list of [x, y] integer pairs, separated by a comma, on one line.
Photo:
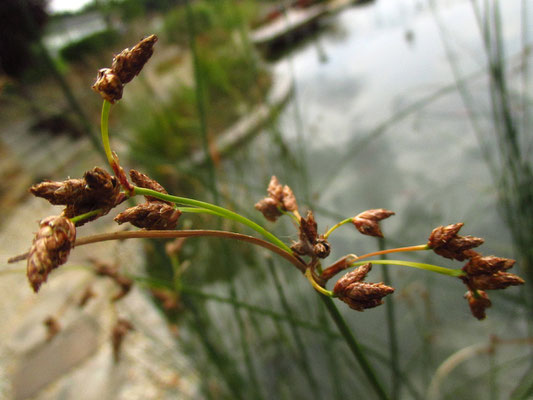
{"points": [[318, 288], [354, 346], [427, 267], [218, 210], [104, 127], [86, 215], [337, 225]]}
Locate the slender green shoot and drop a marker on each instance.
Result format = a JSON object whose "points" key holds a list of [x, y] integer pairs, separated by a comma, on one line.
{"points": [[221, 211], [86, 215], [427, 267], [104, 127], [337, 225]]}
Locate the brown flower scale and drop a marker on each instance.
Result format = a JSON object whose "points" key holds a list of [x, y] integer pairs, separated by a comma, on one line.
{"points": [[367, 222]]}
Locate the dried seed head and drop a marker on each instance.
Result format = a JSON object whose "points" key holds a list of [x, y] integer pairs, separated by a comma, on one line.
{"points": [[130, 62], [146, 182], [357, 275], [360, 295], [120, 330], [280, 198], [152, 215], [97, 190], [321, 248], [478, 264], [478, 303], [367, 221], [498, 280], [269, 208], [310, 244], [51, 247], [109, 85], [445, 241]]}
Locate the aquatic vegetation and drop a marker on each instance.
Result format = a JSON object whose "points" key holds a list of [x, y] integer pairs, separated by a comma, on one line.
{"points": [[99, 192]]}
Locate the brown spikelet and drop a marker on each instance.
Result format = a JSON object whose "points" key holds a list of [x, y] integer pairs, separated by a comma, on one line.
{"points": [[146, 182], [269, 208], [357, 275], [367, 222], [96, 190], [51, 247], [59, 193], [275, 189], [288, 199], [150, 215], [478, 303], [129, 62], [498, 280], [478, 264], [280, 198], [310, 243], [360, 295], [445, 242], [109, 85]]}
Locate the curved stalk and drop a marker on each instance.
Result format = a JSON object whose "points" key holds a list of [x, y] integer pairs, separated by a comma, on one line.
{"points": [[160, 234], [337, 225]]}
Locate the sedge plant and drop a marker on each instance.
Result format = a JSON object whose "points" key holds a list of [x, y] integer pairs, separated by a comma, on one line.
{"points": [[99, 192]]}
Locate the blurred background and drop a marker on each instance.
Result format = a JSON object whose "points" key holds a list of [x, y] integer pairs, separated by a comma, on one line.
{"points": [[423, 107]]}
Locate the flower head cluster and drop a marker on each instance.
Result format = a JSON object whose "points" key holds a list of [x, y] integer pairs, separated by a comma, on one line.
{"points": [[152, 214], [481, 272], [310, 243], [446, 242], [126, 65], [97, 190], [51, 247], [280, 199], [361, 295]]}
